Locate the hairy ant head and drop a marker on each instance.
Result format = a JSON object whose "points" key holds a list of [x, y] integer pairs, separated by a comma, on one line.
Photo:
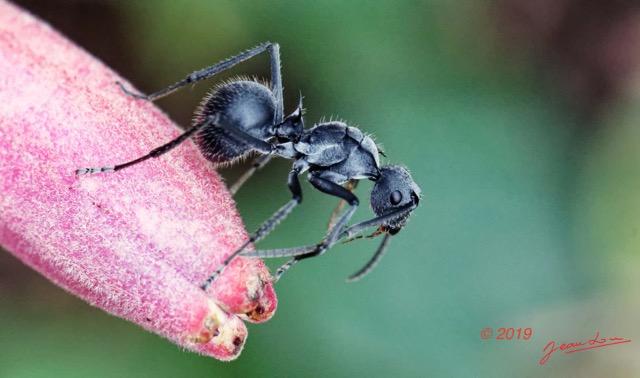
{"points": [[393, 191], [292, 127]]}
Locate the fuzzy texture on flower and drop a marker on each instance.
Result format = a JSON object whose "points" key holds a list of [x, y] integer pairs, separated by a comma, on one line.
{"points": [[137, 243]]}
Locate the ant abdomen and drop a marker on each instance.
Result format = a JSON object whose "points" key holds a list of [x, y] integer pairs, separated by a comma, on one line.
{"points": [[245, 105]]}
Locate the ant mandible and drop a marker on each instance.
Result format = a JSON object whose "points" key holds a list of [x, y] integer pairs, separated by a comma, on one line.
{"points": [[243, 116]]}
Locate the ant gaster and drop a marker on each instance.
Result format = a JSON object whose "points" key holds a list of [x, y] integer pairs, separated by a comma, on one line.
{"points": [[244, 116]]}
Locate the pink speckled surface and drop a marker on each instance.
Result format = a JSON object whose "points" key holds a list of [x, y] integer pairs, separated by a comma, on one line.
{"points": [[137, 243]]}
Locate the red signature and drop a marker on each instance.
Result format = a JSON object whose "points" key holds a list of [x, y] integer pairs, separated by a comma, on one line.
{"points": [[596, 342]]}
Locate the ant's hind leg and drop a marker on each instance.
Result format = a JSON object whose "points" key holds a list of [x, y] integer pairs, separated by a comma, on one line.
{"points": [[153, 154], [205, 73]]}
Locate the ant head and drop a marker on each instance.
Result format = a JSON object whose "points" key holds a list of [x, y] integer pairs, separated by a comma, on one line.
{"points": [[394, 190], [292, 127]]}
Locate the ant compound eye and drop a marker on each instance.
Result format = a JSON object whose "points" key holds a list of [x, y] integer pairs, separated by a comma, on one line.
{"points": [[396, 197]]}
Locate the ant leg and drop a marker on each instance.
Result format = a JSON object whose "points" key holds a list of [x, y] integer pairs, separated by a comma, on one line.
{"points": [[257, 164], [350, 231], [267, 227], [153, 154], [205, 73], [255, 143], [331, 188], [351, 186], [300, 253]]}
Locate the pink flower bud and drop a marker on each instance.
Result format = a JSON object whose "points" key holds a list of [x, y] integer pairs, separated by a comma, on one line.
{"points": [[139, 242]]}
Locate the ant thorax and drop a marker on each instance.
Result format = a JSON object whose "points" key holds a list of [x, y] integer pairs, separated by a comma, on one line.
{"points": [[338, 153]]}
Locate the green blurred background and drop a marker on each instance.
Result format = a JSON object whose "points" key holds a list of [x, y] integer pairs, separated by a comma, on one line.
{"points": [[519, 122]]}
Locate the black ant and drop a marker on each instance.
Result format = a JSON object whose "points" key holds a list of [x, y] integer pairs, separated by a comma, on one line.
{"points": [[244, 116]]}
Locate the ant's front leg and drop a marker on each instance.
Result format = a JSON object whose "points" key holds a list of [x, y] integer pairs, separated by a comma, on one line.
{"points": [[351, 186], [300, 253]]}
